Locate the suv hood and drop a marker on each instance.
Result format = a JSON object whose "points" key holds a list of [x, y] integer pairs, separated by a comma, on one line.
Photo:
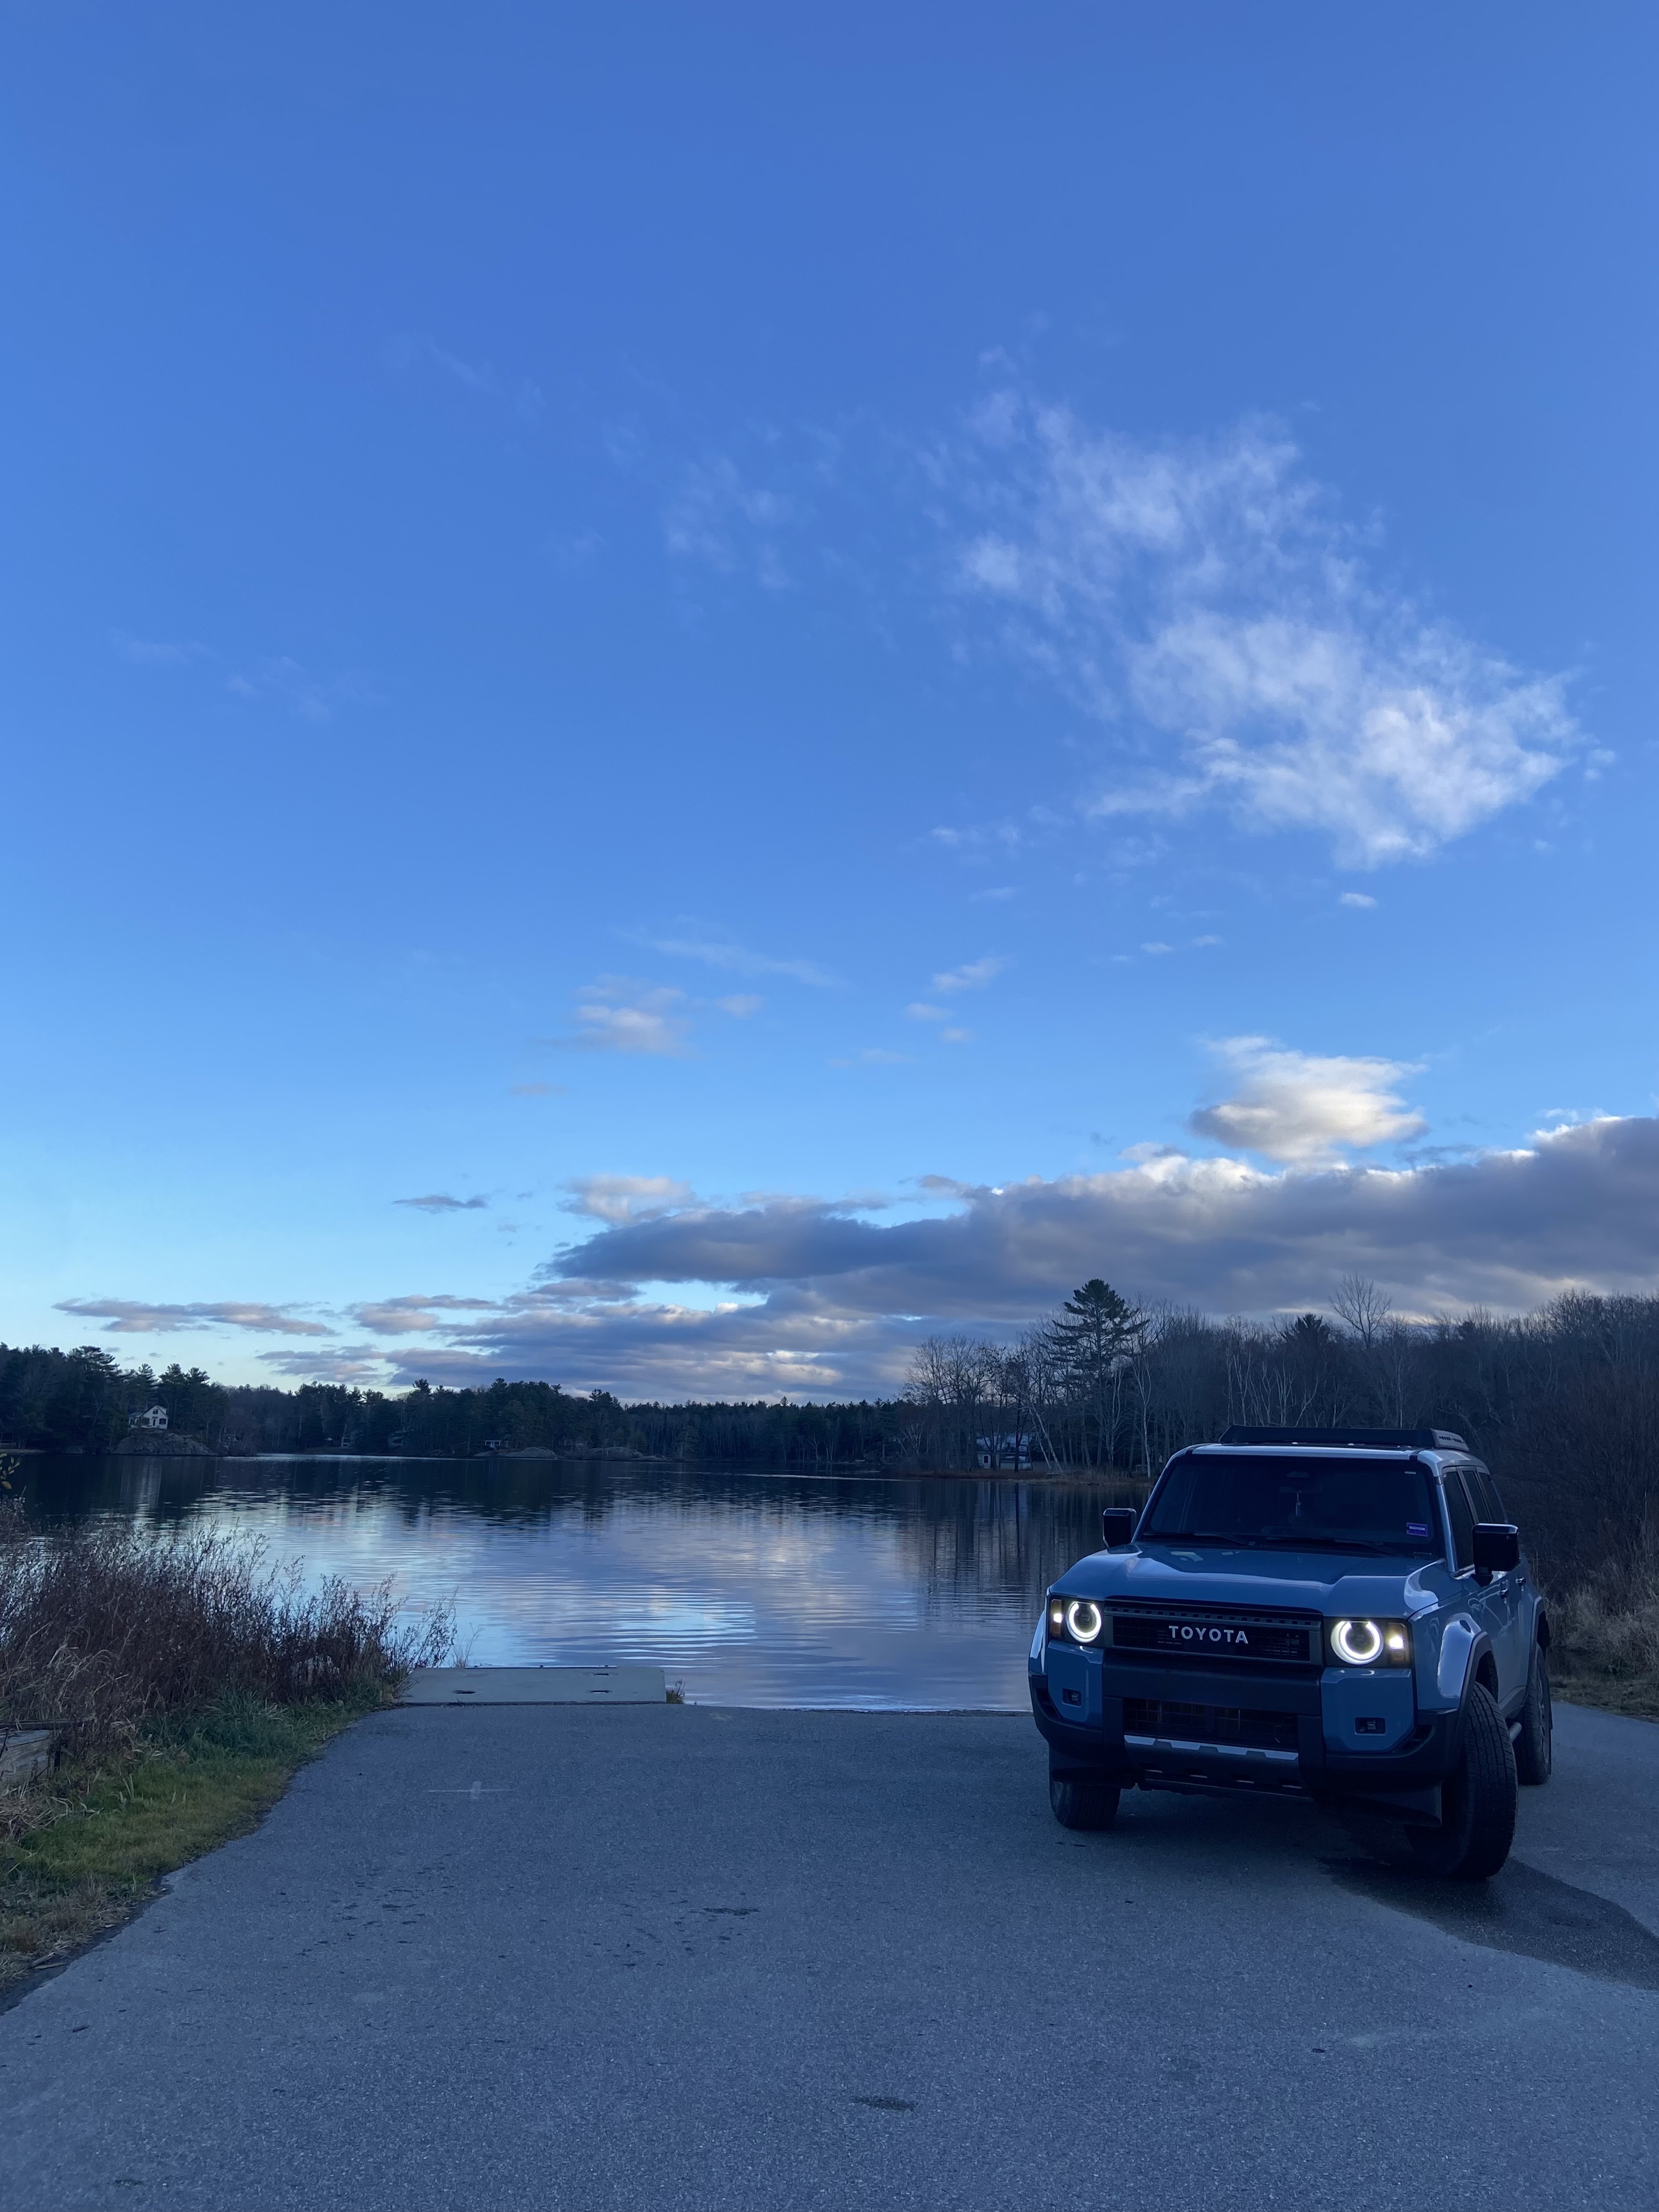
{"points": [[1305, 1582]]}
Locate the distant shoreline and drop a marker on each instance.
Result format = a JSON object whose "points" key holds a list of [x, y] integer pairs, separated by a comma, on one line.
{"points": [[537, 1454]]}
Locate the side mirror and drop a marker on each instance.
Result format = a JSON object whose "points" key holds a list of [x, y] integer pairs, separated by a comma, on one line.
{"points": [[1497, 1549], [1117, 1525]]}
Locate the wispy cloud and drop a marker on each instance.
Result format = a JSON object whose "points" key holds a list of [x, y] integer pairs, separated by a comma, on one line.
{"points": [[618, 1198], [313, 698], [689, 942], [353, 1363], [741, 1005], [519, 396], [718, 517], [137, 1317], [1361, 899], [973, 974], [1305, 1111], [619, 1015], [155, 653], [1203, 601], [537, 1090], [417, 1314], [440, 1201]]}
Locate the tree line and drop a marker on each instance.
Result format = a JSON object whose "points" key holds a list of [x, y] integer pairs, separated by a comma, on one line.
{"points": [[1563, 1403]]}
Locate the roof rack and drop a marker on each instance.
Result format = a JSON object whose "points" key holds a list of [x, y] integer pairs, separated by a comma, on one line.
{"points": [[1392, 1439]]}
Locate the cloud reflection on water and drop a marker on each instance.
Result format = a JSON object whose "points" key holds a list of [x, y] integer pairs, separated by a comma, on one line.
{"points": [[755, 1589]]}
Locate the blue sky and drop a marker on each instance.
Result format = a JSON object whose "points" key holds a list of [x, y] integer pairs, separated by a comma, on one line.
{"points": [[690, 691]]}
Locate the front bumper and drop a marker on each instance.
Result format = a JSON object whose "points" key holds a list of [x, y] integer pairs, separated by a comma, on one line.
{"points": [[1091, 1740]]}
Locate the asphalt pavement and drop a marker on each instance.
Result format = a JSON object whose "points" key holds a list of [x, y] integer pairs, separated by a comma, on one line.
{"points": [[656, 1957]]}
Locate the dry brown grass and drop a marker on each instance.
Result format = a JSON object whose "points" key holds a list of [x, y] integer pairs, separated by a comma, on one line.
{"points": [[105, 1628], [1604, 1644], [186, 1681]]}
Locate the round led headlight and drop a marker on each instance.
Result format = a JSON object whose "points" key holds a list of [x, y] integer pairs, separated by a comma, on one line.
{"points": [[1083, 1620], [1356, 1643]]}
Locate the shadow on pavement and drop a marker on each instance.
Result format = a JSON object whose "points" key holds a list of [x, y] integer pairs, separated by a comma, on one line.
{"points": [[1522, 1911]]}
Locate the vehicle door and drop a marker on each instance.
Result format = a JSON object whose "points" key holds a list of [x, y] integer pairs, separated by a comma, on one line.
{"points": [[1493, 1607], [1511, 1637]]}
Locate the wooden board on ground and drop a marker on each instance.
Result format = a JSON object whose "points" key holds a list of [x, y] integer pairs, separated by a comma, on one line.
{"points": [[535, 1685]]}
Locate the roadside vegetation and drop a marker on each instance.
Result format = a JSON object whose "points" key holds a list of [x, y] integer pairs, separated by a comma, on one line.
{"points": [[182, 1683]]}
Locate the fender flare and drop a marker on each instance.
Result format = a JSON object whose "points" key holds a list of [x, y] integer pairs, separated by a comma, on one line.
{"points": [[1463, 1647]]}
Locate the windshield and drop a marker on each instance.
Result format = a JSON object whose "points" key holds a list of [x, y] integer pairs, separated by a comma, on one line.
{"points": [[1300, 1503]]}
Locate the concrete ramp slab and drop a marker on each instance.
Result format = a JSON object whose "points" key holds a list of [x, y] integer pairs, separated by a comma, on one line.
{"points": [[535, 1685]]}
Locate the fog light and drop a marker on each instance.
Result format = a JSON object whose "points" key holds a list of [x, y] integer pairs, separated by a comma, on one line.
{"points": [[1083, 1619], [1056, 1617]]}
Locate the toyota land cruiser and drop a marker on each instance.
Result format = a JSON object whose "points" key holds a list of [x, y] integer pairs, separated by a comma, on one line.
{"points": [[1337, 1614]]}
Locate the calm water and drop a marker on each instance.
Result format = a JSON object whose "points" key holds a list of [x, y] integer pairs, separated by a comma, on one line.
{"points": [[753, 1589]]}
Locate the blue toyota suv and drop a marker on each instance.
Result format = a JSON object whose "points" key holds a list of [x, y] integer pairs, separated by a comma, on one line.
{"points": [[1339, 1614]]}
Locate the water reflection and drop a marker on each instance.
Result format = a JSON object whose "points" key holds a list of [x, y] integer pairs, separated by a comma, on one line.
{"points": [[755, 1589]]}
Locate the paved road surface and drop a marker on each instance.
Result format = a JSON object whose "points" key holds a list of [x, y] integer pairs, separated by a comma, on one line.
{"points": [[663, 1958]]}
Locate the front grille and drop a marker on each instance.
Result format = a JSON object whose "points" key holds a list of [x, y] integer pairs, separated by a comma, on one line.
{"points": [[1195, 1632], [1175, 1722]]}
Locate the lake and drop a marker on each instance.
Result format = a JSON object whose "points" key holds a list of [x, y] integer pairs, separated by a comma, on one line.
{"points": [[750, 1589]]}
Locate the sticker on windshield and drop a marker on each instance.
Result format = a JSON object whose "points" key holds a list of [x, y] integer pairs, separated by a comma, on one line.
{"points": [[1416, 1527]]}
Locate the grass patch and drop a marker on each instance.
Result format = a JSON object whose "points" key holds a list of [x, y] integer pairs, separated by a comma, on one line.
{"points": [[90, 1845], [1604, 1636]]}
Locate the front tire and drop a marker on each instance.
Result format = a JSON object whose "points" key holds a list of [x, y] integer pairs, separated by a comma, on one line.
{"points": [[1478, 1824], [1535, 1747], [1078, 1804]]}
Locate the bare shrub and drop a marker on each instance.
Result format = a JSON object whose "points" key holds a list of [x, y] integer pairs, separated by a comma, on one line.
{"points": [[1606, 1623], [103, 1627]]}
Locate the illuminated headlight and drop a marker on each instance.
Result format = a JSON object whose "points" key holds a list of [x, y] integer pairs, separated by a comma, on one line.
{"points": [[1083, 1620], [1370, 1643]]}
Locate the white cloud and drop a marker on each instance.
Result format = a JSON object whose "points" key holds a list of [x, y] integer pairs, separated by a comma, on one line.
{"points": [[1201, 598], [314, 699], [520, 396], [835, 1302], [135, 1317], [973, 974], [618, 1198], [691, 942], [956, 1037], [716, 516], [440, 1201], [1360, 899], [1303, 1110], [616, 1015], [741, 1005], [919, 1011], [155, 653]]}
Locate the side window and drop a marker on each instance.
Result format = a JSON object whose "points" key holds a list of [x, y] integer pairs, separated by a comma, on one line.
{"points": [[1463, 1522], [1489, 1504]]}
